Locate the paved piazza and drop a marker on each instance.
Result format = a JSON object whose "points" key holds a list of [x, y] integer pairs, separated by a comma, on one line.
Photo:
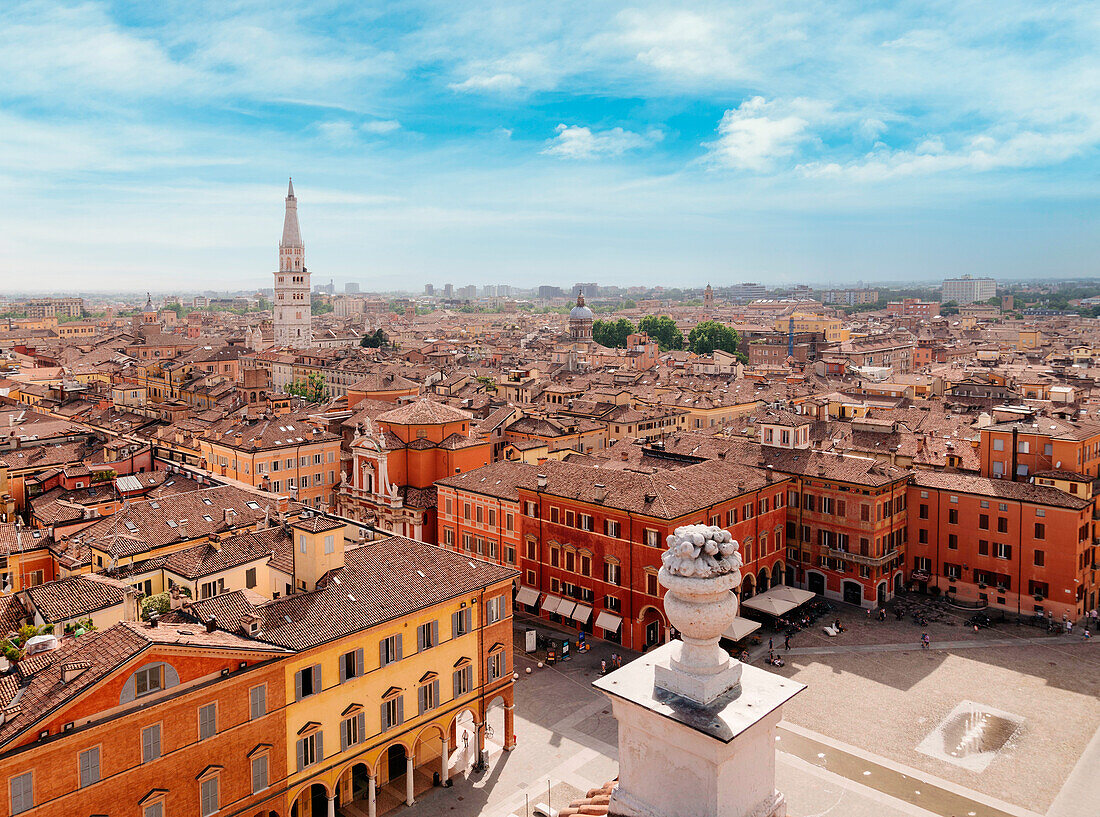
{"points": [[848, 744]]}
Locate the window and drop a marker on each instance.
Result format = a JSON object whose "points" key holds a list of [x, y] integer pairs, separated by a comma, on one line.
{"points": [[427, 636], [148, 680], [865, 513], [353, 730], [612, 572], [1002, 524], [89, 767], [478, 514], [150, 743], [250, 578], [428, 696], [509, 521], [922, 536], [495, 665], [494, 609], [1040, 530], [651, 584], [463, 680], [1003, 551], [389, 650], [585, 522], [153, 810], [393, 712], [983, 521], [461, 622], [612, 528], [1038, 588], [208, 721], [652, 538], [307, 682], [257, 702], [311, 749], [259, 773], [351, 665], [330, 543], [22, 793], [612, 603], [209, 796], [953, 516], [998, 444], [1040, 558], [983, 547], [952, 541]]}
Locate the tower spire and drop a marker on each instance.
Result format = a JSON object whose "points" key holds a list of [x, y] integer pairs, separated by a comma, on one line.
{"points": [[292, 236]]}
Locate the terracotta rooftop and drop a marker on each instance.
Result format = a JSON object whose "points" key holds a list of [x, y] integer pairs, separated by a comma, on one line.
{"points": [[424, 412], [380, 581]]}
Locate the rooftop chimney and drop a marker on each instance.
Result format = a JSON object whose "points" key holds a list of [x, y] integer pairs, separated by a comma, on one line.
{"points": [[211, 624]]}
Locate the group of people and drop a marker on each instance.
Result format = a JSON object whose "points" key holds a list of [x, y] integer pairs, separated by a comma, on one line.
{"points": [[616, 663]]}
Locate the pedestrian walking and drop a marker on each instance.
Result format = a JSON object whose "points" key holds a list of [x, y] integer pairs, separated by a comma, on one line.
{"points": [[786, 642], [603, 667], [868, 613], [1069, 626], [769, 644], [924, 641], [1088, 635]]}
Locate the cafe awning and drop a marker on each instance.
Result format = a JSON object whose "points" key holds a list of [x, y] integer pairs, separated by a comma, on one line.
{"points": [[581, 614], [550, 603], [565, 609], [608, 621], [527, 595], [778, 600], [740, 628]]}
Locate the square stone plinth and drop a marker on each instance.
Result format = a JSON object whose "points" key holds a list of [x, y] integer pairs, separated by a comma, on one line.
{"points": [[678, 757]]}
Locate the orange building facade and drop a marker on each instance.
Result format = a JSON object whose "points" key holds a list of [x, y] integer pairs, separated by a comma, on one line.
{"points": [[397, 460]]}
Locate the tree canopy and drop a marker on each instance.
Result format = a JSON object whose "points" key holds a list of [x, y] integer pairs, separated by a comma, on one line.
{"points": [[374, 340], [710, 335], [663, 330], [612, 334]]}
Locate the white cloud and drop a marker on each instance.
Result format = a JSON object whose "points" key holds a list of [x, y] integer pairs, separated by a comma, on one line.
{"points": [[495, 82], [380, 126], [977, 154], [339, 132], [578, 142], [754, 135]]}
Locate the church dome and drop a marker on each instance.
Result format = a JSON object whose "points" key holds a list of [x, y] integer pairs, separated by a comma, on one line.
{"points": [[581, 312]]}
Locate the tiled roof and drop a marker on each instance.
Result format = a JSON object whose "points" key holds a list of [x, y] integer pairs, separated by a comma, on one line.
{"points": [[668, 494], [1000, 489], [75, 597], [424, 412], [500, 480], [380, 581], [154, 523], [39, 677], [208, 558]]}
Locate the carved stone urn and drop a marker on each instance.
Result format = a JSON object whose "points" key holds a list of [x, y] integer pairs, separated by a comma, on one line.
{"points": [[700, 570]]}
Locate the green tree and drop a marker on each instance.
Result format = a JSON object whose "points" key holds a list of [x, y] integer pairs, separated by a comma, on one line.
{"points": [[311, 389], [320, 308], [949, 308], [710, 335], [374, 340], [663, 330], [612, 334]]}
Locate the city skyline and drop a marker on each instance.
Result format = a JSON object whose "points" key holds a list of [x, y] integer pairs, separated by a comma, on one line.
{"points": [[626, 145]]}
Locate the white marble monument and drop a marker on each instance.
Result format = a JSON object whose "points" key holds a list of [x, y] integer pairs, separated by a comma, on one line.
{"points": [[696, 727]]}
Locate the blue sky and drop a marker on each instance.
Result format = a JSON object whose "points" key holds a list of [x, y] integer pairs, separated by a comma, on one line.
{"points": [[147, 145]]}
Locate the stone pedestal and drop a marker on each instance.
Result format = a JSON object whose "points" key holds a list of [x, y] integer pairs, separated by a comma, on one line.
{"points": [[680, 758]]}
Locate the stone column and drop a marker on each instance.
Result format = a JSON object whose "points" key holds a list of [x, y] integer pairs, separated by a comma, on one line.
{"points": [[371, 796], [444, 763], [332, 806], [510, 726], [409, 762]]}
